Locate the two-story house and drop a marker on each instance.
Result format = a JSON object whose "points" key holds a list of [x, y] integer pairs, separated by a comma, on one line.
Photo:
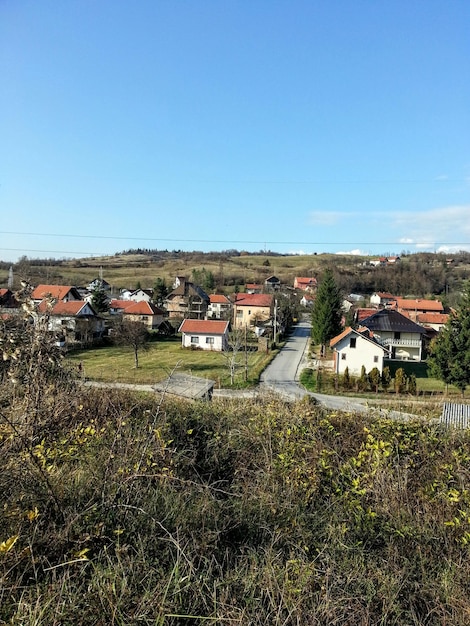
{"points": [[187, 300], [249, 309], [402, 337]]}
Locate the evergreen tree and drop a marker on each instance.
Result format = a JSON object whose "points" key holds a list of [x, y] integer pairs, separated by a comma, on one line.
{"points": [[99, 300], [326, 314], [450, 353], [386, 378], [160, 291], [374, 379], [400, 380]]}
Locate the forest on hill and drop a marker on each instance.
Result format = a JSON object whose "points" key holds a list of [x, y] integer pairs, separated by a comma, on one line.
{"points": [[418, 275]]}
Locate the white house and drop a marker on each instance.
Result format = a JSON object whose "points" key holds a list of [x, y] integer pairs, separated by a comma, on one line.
{"points": [[219, 307], [204, 334], [353, 349], [396, 332]]}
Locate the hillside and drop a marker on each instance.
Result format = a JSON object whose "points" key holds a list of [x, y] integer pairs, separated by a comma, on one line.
{"points": [[121, 509], [418, 275]]}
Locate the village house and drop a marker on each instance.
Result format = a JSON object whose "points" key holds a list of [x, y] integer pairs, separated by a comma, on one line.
{"points": [[272, 283], [402, 337], [204, 334], [59, 293], [73, 322], [253, 288], [382, 299], [146, 312], [187, 300], [354, 349], [219, 307], [305, 284], [252, 309], [413, 308]]}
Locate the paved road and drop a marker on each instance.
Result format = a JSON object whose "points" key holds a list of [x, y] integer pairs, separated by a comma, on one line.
{"points": [[282, 374]]}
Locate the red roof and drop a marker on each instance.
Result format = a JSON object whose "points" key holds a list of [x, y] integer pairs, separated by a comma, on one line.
{"points": [[420, 305], [254, 299], [432, 318], [362, 314], [203, 327], [73, 307], [216, 298], [120, 304], [142, 308], [345, 333], [58, 292]]}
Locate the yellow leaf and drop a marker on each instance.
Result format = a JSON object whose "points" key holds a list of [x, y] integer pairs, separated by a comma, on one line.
{"points": [[7, 545], [32, 514]]}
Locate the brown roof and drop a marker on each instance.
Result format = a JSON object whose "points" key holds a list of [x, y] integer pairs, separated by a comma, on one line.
{"points": [[203, 327]]}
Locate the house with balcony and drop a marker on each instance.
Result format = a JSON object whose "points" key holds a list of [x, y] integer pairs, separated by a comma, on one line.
{"points": [[187, 301], [402, 337], [219, 307]]}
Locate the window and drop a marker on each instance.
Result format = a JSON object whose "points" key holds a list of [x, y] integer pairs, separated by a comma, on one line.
{"points": [[352, 342], [209, 339], [343, 356], [239, 313], [194, 339], [376, 359], [396, 335]]}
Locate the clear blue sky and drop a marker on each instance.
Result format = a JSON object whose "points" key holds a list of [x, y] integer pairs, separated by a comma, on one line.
{"points": [[293, 125]]}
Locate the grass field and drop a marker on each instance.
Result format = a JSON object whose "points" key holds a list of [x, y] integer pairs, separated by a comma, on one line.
{"points": [[161, 358]]}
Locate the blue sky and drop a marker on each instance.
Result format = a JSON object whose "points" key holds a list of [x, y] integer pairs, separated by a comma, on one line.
{"points": [[291, 125]]}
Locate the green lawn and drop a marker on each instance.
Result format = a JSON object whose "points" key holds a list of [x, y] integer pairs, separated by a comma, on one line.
{"points": [[160, 359]]}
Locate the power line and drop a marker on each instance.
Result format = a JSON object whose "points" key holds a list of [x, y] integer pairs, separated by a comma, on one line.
{"points": [[232, 241]]}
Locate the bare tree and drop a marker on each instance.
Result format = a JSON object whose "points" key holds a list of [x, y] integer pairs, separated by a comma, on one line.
{"points": [[232, 353], [133, 334]]}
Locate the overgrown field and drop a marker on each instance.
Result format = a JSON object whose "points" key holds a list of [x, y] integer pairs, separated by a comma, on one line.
{"points": [[122, 509]]}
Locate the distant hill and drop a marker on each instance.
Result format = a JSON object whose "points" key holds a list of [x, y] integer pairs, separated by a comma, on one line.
{"points": [[419, 275]]}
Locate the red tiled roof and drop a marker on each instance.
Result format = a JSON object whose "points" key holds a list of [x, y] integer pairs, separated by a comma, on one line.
{"points": [[203, 327], [254, 299], [73, 307], [58, 292], [216, 298], [420, 305], [362, 314], [120, 304], [345, 333], [142, 308], [432, 318]]}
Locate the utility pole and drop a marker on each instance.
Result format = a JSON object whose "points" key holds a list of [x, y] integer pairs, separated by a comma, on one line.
{"points": [[246, 359]]}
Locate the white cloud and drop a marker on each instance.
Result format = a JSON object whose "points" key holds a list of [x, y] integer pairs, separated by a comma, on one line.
{"points": [[435, 228], [354, 252]]}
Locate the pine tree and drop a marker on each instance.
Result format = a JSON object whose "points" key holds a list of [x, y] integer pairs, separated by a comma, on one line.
{"points": [[450, 353], [326, 315]]}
